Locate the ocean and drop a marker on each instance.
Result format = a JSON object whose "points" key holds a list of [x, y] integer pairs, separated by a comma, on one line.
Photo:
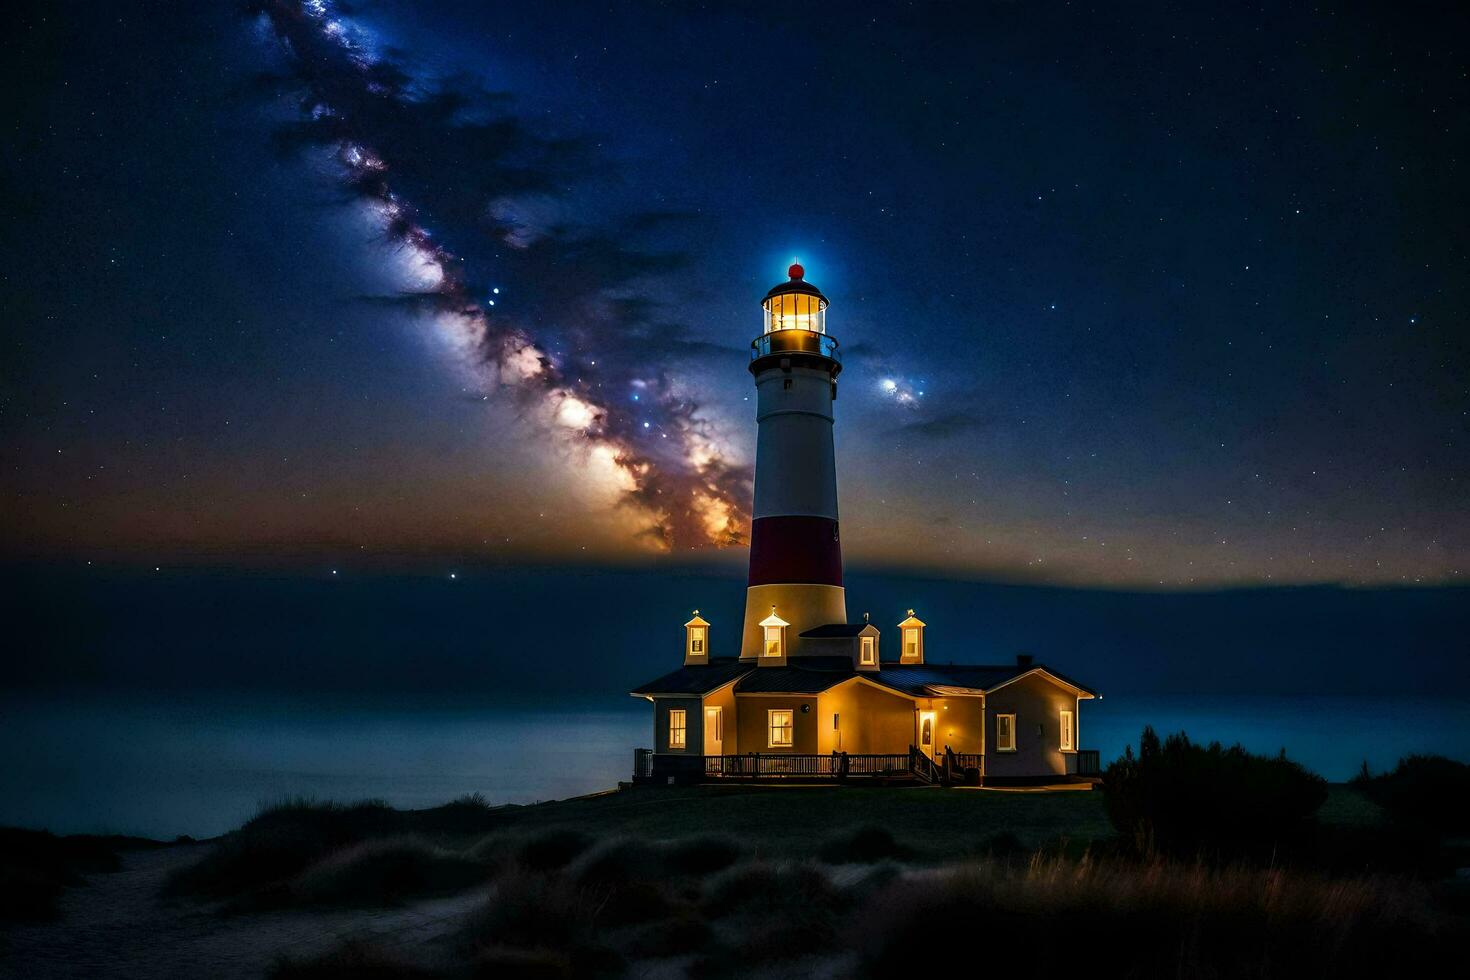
{"points": [[172, 764]]}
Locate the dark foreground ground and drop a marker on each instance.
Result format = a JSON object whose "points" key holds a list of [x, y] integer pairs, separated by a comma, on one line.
{"points": [[779, 881]]}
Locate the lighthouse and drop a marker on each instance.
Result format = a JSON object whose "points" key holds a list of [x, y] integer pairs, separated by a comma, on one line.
{"points": [[812, 695], [795, 581]]}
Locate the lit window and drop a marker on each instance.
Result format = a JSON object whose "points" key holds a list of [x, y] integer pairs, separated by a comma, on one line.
{"points": [[773, 641], [1069, 732], [678, 728], [780, 720], [869, 655], [911, 644], [1005, 733], [836, 718], [696, 641]]}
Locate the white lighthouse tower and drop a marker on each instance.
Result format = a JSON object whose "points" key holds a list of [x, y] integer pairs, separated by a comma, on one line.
{"points": [[795, 579]]}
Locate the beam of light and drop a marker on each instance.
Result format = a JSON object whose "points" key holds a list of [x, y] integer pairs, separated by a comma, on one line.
{"points": [[675, 470]]}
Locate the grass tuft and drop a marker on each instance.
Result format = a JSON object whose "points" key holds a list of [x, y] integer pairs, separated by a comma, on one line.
{"points": [[386, 871], [862, 845], [254, 865], [1157, 919], [350, 961]]}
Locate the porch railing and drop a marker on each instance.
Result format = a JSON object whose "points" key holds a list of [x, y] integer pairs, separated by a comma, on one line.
{"points": [[651, 767], [835, 766], [1089, 762]]}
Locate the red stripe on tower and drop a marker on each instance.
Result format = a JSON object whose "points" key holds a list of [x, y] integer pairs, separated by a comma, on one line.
{"points": [[796, 549]]}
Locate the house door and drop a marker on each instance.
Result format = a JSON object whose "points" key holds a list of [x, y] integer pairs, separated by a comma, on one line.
{"points": [[714, 731], [927, 724]]}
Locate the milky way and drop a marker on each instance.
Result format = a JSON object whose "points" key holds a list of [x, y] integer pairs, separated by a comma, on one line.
{"points": [[448, 161]]}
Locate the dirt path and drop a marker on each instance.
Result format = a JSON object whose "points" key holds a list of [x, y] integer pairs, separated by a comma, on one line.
{"points": [[118, 927]]}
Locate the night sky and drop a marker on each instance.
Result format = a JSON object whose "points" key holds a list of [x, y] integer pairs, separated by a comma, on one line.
{"points": [[1129, 295]]}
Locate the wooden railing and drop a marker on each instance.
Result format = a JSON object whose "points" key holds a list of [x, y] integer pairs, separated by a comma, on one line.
{"points": [[838, 765], [915, 765], [968, 760]]}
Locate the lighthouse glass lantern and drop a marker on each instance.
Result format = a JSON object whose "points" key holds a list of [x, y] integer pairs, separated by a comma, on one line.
{"points": [[796, 305], [795, 314]]}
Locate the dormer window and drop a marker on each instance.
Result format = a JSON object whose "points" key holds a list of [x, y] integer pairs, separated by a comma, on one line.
{"points": [[696, 640], [911, 636], [773, 636], [868, 655]]}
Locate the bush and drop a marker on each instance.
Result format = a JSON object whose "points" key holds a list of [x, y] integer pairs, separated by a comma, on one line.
{"points": [[546, 916], [786, 911], [1157, 919], [862, 845], [770, 888], [385, 872], [36, 867], [510, 963], [701, 855], [276, 844], [256, 862], [351, 961], [1425, 790], [1189, 800], [551, 849], [672, 937]]}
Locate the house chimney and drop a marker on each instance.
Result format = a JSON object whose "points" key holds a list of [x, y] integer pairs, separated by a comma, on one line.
{"points": [[1024, 659]]}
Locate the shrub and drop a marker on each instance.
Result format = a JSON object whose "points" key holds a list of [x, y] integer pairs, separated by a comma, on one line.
{"points": [[771, 887], [862, 845], [628, 878], [1156, 919], [385, 872], [350, 961], [701, 855], [256, 861], [786, 911], [672, 937], [27, 895], [509, 963], [36, 867], [551, 849], [543, 913], [1184, 799], [277, 843], [530, 910], [1426, 790]]}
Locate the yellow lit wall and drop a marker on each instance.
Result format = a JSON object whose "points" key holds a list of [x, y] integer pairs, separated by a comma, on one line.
{"points": [[724, 699], [752, 725], [959, 723], [872, 720]]}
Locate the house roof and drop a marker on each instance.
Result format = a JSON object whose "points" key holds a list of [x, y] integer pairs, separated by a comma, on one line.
{"points": [[813, 675], [800, 675], [697, 678], [930, 680], [835, 631]]}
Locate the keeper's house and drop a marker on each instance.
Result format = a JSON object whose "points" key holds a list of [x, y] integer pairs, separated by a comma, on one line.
{"points": [[810, 694]]}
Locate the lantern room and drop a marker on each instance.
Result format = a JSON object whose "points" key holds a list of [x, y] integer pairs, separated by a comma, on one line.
{"points": [[795, 304], [795, 323]]}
